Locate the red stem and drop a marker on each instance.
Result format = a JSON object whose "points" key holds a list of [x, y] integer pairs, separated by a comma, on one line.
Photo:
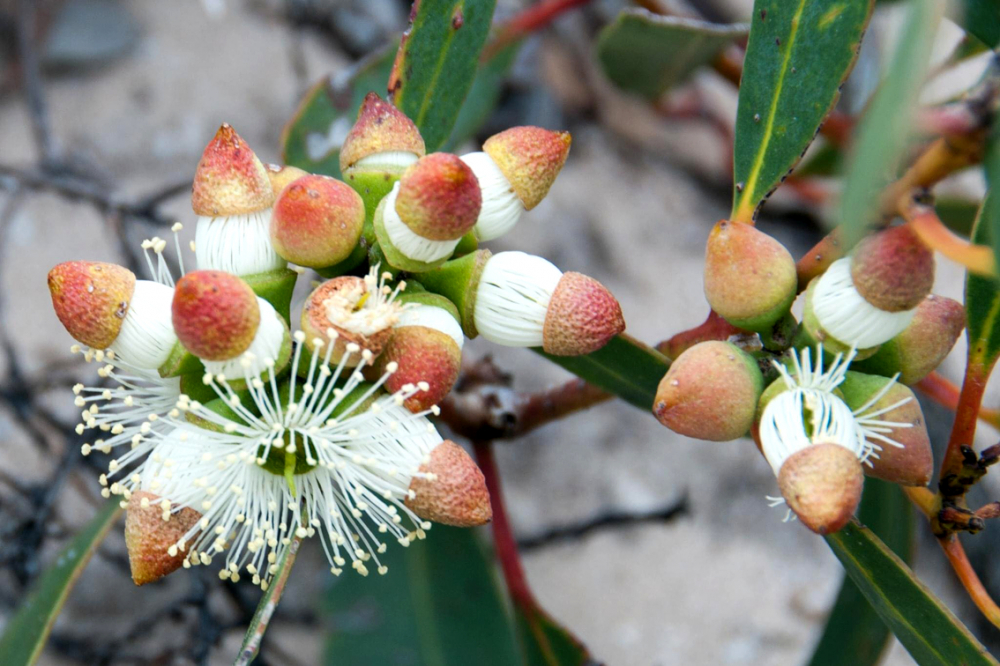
{"points": [[952, 548], [503, 536], [963, 432], [531, 19]]}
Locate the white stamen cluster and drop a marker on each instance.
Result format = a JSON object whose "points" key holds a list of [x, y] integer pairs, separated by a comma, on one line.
{"points": [[406, 241], [434, 317], [361, 463], [147, 334], [390, 159], [266, 344], [365, 309], [512, 298], [847, 316], [501, 209], [238, 244], [809, 413]]}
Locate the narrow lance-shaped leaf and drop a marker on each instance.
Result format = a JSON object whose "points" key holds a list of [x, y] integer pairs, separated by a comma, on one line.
{"points": [[648, 54], [854, 633], [982, 19], [798, 55], [982, 294], [882, 136], [312, 137], [439, 603], [437, 62], [925, 627], [29, 628], [483, 96]]}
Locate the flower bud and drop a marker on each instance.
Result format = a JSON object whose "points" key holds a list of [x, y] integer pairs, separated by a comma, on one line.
{"points": [[215, 314], [421, 221], [906, 457], [382, 136], [892, 269], [351, 310], [426, 346], [230, 180], [822, 484], [281, 175], [923, 344], [450, 489], [150, 533], [582, 316], [530, 158], [710, 392], [317, 221], [232, 196], [91, 300], [458, 281], [750, 278]]}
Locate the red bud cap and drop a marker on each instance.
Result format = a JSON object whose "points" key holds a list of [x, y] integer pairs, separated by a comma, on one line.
{"points": [[907, 458], [91, 299], [317, 221], [230, 180], [439, 197], [283, 174], [215, 314], [822, 484], [710, 392], [421, 354], [922, 345], [582, 316], [530, 158], [893, 269], [381, 128], [150, 539], [452, 490], [750, 278]]}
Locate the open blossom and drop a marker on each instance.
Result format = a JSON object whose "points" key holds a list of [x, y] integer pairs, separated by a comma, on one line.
{"points": [[816, 444]]}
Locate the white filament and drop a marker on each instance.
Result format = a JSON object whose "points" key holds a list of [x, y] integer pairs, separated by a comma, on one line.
{"points": [[844, 313], [406, 241], [147, 335], [239, 244], [266, 345], [501, 208], [391, 159], [432, 317], [513, 298]]}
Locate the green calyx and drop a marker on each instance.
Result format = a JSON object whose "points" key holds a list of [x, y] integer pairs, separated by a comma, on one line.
{"points": [[458, 281], [275, 287], [373, 185]]}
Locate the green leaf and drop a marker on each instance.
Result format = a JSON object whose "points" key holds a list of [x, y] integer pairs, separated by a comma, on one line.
{"points": [[626, 367], [26, 632], [881, 139], [991, 207], [438, 604], [925, 627], [982, 294], [982, 19], [854, 634], [798, 55], [437, 62], [312, 137], [483, 96], [267, 605], [648, 54], [544, 642]]}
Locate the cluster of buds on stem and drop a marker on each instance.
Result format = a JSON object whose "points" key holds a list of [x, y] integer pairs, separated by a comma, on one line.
{"points": [[228, 435]]}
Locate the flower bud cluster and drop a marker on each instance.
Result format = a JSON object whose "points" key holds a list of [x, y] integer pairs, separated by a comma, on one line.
{"points": [[229, 433]]}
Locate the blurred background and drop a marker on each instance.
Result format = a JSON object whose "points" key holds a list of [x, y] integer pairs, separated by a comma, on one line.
{"points": [[651, 548]]}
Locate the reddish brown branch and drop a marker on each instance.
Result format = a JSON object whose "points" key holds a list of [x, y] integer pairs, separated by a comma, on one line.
{"points": [[531, 19], [953, 550], [945, 393], [970, 399]]}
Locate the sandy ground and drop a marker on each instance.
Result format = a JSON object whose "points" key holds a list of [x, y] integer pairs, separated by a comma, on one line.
{"points": [[726, 583]]}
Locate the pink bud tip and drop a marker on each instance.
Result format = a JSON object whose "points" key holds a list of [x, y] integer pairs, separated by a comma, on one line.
{"points": [[893, 269], [530, 158], [456, 492], [148, 537], [91, 299], [439, 197], [710, 392], [822, 484], [317, 221], [230, 180], [215, 314], [582, 317], [422, 354], [381, 128]]}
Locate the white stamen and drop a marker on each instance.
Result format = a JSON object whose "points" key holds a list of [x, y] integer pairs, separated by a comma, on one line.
{"points": [[239, 244], [432, 317], [147, 334], [513, 298], [266, 344], [391, 159], [501, 208], [403, 239]]}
